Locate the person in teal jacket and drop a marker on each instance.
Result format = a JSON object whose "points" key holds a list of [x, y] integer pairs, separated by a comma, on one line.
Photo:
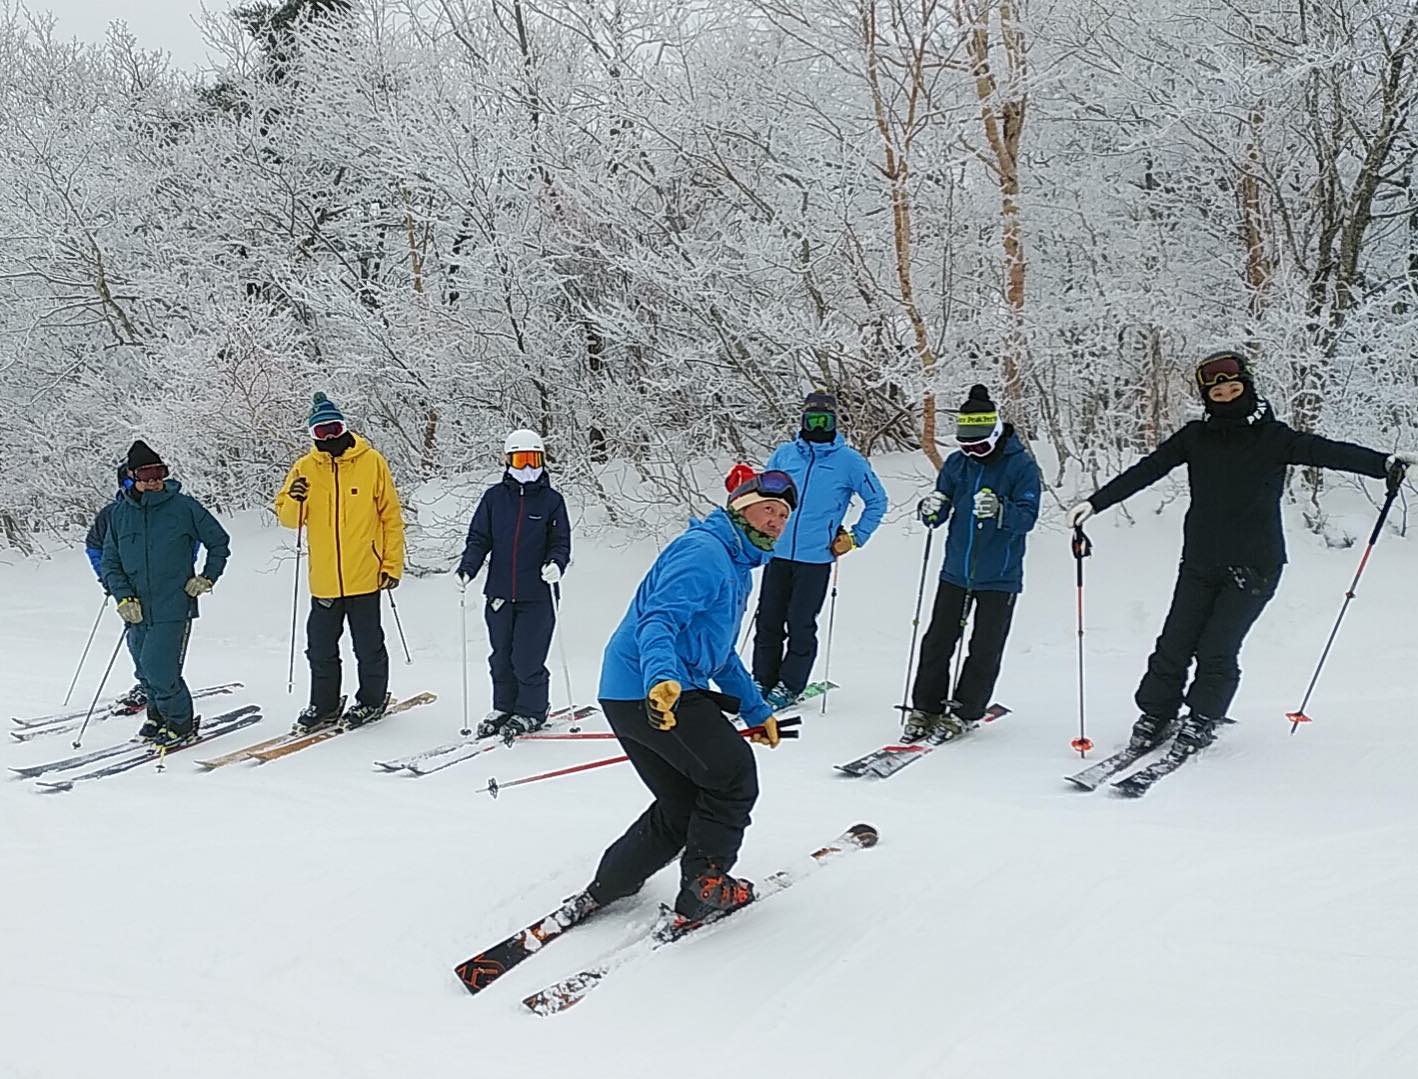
{"points": [[148, 564], [828, 473], [989, 490]]}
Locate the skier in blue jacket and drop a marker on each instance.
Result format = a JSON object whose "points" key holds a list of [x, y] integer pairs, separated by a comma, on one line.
{"points": [[149, 568], [522, 523], [675, 640], [828, 473], [992, 486]]}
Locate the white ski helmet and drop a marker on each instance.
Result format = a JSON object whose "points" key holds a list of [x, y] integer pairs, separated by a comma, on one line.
{"points": [[523, 440]]}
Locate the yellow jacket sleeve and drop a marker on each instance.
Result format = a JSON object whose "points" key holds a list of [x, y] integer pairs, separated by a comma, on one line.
{"points": [[391, 523], [288, 510]]}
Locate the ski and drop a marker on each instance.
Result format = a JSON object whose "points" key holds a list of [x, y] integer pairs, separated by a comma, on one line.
{"points": [[437, 764], [324, 734], [27, 729], [671, 927], [477, 745], [1139, 783], [148, 754], [245, 752], [811, 691], [1092, 777], [889, 759], [479, 971]]}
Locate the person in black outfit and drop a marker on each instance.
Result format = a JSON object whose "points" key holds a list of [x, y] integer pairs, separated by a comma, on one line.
{"points": [[1233, 540], [523, 524]]}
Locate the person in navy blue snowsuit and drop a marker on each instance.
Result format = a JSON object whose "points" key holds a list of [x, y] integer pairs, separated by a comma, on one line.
{"points": [[989, 490], [828, 473], [521, 523]]}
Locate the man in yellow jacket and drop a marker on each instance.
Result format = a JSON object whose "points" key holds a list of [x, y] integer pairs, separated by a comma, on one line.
{"points": [[342, 494]]}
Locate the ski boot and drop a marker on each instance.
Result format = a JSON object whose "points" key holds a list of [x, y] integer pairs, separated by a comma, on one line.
{"points": [[950, 727], [133, 702], [919, 725], [516, 725], [711, 892], [1148, 732], [780, 697], [171, 735], [1196, 732], [576, 909], [312, 719], [492, 723], [357, 715], [151, 725]]}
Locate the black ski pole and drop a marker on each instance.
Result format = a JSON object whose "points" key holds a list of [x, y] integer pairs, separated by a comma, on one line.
{"points": [[1395, 481], [402, 640], [1082, 548], [103, 604], [79, 738], [965, 607], [916, 622]]}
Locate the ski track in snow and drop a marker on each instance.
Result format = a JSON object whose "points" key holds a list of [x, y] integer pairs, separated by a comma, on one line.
{"points": [[1253, 916]]}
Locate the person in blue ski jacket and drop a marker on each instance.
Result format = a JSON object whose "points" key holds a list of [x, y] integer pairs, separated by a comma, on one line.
{"points": [[522, 523], [674, 643], [828, 473], [989, 491], [136, 698], [149, 568]]}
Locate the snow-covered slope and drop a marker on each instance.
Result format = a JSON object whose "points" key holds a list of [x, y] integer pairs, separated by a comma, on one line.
{"points": [[1256, 915]]}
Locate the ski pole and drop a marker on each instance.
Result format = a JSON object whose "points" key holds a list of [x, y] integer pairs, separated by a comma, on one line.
{"points": [[399, 625], [463, 638], [916, 622], [79, 738], [1395, 481], [493, 786], [1082, 548], [561, 643], [295, 601], [748, 633], [103, 603], [831, 621]]}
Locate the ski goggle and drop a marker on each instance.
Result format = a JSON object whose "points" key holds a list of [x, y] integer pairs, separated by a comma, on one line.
{"points": [[819, 421], [982, 448], [323, 432], [770, 484], [1219, 369], [525, 458], [149, 473]]}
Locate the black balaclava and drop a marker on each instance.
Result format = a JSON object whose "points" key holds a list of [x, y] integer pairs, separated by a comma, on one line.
{"points": [[335, 446], [819, 401], [1244, 405]]}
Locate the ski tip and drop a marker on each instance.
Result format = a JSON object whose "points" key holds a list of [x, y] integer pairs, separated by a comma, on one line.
{"points": [[1077, 784], [53, 786]]}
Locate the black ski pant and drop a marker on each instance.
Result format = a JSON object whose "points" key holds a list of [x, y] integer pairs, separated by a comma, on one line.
{"points": [[1213, 608], [323, 630], [520, 634], [705, 782], [789, 601], [993, 613]]}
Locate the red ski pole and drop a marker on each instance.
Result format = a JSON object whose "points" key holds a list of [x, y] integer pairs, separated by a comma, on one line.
{"points": [[493, 786]]}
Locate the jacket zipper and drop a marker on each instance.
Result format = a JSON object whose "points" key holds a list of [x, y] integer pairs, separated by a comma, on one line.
{"points": [[339, 557], [802, 497], [517, 536]]}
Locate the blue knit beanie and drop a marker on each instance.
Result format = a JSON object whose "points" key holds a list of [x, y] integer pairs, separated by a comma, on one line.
{"points": [[323, 410]]}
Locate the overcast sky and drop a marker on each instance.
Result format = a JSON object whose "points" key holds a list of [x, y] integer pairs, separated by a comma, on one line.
{"points": [[158, 24]]}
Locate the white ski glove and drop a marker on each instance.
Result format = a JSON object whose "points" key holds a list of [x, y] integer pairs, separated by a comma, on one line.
{"points": [[987, 504], [931, 509], [551, 573], [1079, 514], [1406, 458]]}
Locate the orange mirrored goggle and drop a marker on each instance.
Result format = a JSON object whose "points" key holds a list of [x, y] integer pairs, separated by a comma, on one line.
{"points": [[525, 458]]}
